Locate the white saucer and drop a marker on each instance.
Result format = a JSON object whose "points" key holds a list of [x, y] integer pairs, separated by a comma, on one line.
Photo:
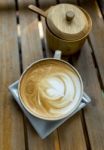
{"points": [[43, 127]]}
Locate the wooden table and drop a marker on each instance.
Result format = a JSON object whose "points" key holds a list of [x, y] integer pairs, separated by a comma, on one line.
{"points": [[20, 45]]}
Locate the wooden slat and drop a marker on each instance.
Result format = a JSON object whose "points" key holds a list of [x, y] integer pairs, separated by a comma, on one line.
{"points": [[31, 51], [68, 1], [11, 119], [72, 128], [71, 134], [46, 4], [31, 44], [94, 112], [35, 143], [97, 34]]}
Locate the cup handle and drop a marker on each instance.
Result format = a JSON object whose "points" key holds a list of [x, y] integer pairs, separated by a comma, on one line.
{"points": [[86, 98], [57, 54]]}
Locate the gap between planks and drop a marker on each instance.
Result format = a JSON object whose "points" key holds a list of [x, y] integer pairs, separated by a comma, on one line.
{"points": [[21, 64], [96, 65], [101, 6], [41, 32], [19, 35]]}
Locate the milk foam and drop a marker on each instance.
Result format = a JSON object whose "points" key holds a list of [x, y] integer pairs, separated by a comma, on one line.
{"points": [[55, 89]]}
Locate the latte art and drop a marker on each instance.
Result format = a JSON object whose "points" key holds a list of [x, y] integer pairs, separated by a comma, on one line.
{"points": [[49, 89], [57, 89]]}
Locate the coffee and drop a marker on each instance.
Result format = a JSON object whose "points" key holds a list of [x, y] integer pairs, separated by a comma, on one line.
{"points": [[50, 88]]}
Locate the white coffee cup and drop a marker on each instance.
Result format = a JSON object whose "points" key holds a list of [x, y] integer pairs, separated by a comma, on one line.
{"points": [[70, 108]]}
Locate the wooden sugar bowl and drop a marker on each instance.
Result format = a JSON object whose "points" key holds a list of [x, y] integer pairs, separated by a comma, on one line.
{"points": [[67, 27]]}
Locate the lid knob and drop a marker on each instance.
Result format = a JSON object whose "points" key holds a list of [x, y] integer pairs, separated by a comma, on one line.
{"points": [[70, 15]]}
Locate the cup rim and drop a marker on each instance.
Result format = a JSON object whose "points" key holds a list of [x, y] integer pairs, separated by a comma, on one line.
{"points": [[52, 118]]}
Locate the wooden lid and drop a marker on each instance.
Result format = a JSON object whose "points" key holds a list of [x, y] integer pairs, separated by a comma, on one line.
{"points": [[67, 21]]}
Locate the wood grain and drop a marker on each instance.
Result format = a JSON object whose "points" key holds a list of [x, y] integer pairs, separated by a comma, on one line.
{"points": [[71, 134], [72, 129], [31, 51], [94, 112], [11, 119], [97, 34], [31, 44]]}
